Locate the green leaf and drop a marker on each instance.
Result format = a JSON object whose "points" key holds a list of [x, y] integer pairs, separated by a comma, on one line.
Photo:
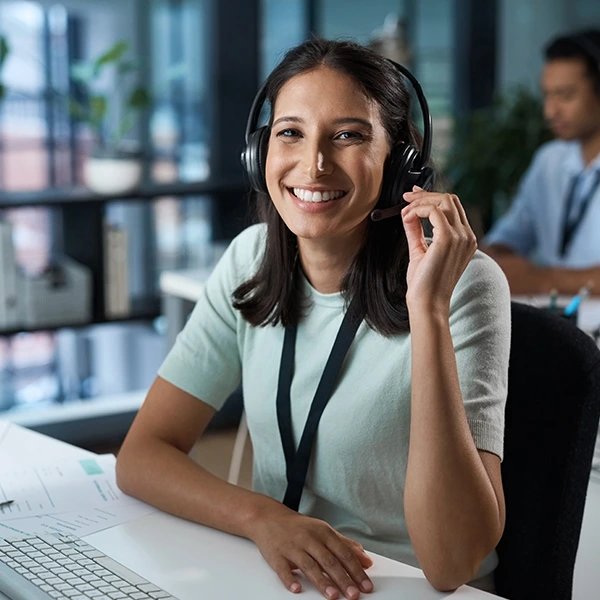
{"points": [[4, 49], [112, 55], [98, 109], [2, 92], [139, 98]]}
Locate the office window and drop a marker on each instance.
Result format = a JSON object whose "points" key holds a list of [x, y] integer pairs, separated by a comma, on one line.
{"points": [[284, 25], [426, 25], [178, 123]]}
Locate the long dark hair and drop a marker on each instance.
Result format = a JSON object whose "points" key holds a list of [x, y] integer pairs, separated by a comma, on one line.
{"points": [[378, 272]]}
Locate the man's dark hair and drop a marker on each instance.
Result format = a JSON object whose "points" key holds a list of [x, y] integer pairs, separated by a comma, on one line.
{"points": [[583, 45], [378, 272]]}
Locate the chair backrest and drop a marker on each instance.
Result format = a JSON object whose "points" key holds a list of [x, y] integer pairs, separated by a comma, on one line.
{"points": [[552, 415]]}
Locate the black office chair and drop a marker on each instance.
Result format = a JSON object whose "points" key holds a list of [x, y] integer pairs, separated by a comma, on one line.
{"points": [[552, 416]]}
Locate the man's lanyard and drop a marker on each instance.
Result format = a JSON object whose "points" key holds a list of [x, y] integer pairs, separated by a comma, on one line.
{"points": [[297, 461], [570, 226]]}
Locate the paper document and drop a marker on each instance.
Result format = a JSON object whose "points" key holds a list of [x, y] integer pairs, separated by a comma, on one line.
{"points": [[60, 487], [79, 523], [75, 496]]}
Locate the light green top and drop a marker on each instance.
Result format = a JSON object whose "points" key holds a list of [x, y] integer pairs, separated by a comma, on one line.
{"points": [[358, 468]]}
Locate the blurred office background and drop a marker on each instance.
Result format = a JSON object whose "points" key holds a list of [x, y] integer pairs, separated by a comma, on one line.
{"points": [[199, 63]]}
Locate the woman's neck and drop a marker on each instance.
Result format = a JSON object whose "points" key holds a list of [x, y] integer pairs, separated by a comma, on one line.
{"points": [[325, 262]]}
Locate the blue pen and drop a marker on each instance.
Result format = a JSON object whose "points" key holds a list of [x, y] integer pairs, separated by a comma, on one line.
{"points": [[576, 301]]}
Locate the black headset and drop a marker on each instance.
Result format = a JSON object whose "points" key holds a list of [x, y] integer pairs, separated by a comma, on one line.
{"points": [[405, 166]]}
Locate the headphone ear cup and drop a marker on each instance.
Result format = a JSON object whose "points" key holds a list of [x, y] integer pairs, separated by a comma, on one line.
{"points": [[254, 158], [398, 175]]}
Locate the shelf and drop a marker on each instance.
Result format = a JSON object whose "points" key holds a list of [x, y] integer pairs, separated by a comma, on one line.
{"points": [[80, 195], [82, 421], [147, 312]]}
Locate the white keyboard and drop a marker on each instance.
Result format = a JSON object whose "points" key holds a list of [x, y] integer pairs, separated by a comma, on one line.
{"points": [[61, 567]]}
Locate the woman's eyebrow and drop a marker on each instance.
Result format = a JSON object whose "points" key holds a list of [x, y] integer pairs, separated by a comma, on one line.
{"points": [[342, 121], [290, 119]]}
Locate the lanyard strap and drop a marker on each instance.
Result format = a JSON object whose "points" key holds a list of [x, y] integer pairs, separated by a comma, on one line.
{"points": [[570, 226], [297, 461]]}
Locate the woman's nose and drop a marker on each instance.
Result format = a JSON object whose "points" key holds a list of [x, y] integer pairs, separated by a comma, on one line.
{"points": [[318, 165]]}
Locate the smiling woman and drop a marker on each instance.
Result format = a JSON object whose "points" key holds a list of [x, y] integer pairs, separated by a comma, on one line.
{"points": [[407, 410]]}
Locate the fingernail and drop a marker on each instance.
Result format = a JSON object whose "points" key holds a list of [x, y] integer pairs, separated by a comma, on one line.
{"points": [[416, 187], [295, 587], [352, 592], [366, 586], [330, 592]]}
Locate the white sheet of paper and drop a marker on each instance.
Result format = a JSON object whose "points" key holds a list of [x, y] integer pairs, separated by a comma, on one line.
{"points": [[60, 487], [79, 523]]}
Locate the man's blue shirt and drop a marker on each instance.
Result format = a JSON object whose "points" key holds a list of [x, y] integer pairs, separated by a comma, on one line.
{"points": [[533, 226]]}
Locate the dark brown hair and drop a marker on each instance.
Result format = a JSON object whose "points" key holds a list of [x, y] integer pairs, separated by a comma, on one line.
{"points": [[582, 45], [378, 272]]}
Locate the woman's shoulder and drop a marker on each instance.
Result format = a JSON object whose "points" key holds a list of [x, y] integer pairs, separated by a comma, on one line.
{"points": [[483, 284], [247, 248]]}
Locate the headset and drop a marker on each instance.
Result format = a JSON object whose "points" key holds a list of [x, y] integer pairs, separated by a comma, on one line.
{"points": [[405, 166]]}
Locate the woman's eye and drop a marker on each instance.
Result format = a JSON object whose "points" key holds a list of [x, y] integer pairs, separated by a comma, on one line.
{"points": [[288, 133], [350, 135]]}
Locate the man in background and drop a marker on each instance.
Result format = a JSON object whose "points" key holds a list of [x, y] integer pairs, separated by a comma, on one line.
{"points": [[550, 237]]}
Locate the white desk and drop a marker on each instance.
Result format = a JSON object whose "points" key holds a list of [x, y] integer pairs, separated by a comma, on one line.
{"points": [[191, 561]]}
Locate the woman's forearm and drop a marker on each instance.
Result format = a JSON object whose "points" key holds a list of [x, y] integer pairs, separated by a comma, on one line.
{"points": [[452, 513], [160, 474]]}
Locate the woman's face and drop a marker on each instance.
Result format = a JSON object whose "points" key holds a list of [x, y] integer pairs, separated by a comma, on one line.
{"points": [[326, 153]]}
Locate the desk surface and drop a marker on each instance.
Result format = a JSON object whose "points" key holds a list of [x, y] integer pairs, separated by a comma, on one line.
{"points": [[191, 561]]}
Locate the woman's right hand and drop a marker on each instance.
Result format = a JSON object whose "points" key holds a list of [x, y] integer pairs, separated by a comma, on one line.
{"points": [[334, 563]]}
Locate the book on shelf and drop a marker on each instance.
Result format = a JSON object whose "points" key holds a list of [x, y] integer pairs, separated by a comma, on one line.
{"points": [[9, 309], [117, 302]]}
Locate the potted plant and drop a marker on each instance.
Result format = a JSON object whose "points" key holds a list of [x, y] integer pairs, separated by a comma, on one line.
{"points": [[114, 166], [492, 149]]}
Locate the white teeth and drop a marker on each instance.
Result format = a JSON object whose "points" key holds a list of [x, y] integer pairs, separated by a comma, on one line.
{"points": [[308, 196]]}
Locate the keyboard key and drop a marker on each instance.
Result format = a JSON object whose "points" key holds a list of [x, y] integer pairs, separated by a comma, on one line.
{"points": [[61, 587], [158, 595], [116, 595], [129, 589], [148, 587], [121, 571], [140, 596]]}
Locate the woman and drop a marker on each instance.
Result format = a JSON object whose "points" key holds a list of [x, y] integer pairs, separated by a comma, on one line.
{"points": [[406, 460]]}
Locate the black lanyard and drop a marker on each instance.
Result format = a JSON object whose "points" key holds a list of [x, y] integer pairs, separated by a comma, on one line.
{"points": [[570, 226], [297, 461]]}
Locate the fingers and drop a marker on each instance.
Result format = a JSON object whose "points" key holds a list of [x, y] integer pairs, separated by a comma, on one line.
{"points": [[349, 557], [335, 569], [444, 202], [445, 212], [283, 568], [315, 573]]}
